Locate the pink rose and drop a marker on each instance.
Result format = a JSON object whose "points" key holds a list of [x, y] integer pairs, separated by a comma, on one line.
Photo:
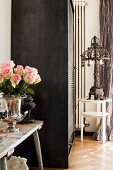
{"points": [[38, 79], [12, 77], [34, 70], [15, 79], [1, 78], [30, 70], [7, 72], [8, 63], [19, 69], [29, 78]]}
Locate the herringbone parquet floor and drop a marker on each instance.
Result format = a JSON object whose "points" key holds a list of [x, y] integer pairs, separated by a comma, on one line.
{"points": [[90, 155]]}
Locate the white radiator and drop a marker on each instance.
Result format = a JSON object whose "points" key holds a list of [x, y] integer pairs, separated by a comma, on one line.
{"points": [[79, 27]]}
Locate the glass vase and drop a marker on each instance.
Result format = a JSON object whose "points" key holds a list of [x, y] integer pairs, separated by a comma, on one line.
{"points": [[13, 108]]}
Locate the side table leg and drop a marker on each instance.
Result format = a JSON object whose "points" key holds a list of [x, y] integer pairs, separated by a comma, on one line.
{"points": [[3, 164], [38, 149], [82, 127], [103, 123], [103, 129]]}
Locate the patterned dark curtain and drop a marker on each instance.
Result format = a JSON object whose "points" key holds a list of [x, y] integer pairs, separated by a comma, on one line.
{"points": [[106, 40]]}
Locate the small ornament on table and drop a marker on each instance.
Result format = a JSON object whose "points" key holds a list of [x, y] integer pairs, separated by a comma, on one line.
{"points": [[27, 106]]}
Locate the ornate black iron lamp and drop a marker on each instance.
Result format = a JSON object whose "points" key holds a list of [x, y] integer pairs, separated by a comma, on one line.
{"points": [[97, 55]]}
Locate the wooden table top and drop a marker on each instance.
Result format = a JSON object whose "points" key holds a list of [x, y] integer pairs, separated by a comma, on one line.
{"points": [[8, 141]]}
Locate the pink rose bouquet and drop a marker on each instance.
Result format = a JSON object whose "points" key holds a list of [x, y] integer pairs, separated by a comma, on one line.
{"points": [[15, 79]]}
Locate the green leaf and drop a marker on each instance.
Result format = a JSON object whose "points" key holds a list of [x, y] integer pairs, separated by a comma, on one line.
{"points": [[30, 91]]}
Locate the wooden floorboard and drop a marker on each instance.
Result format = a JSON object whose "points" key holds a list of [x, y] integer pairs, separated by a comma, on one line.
{"points": [[90, 155]]}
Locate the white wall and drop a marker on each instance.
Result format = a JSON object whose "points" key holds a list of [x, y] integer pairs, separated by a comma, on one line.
{"points": [[5, 30], [91, 29]]}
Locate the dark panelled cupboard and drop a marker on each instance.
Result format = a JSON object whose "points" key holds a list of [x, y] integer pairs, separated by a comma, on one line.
{"points": [[42, 37]]}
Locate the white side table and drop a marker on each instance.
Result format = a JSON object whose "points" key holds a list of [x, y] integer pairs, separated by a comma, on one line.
{"points": [[103, 114]]}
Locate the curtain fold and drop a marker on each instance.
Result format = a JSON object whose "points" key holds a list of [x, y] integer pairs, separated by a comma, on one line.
{"points": [[106, 41]]}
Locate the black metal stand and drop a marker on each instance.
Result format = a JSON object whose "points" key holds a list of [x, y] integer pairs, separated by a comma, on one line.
{"points": [[28, 118], [96, 92], [28, 105]]}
